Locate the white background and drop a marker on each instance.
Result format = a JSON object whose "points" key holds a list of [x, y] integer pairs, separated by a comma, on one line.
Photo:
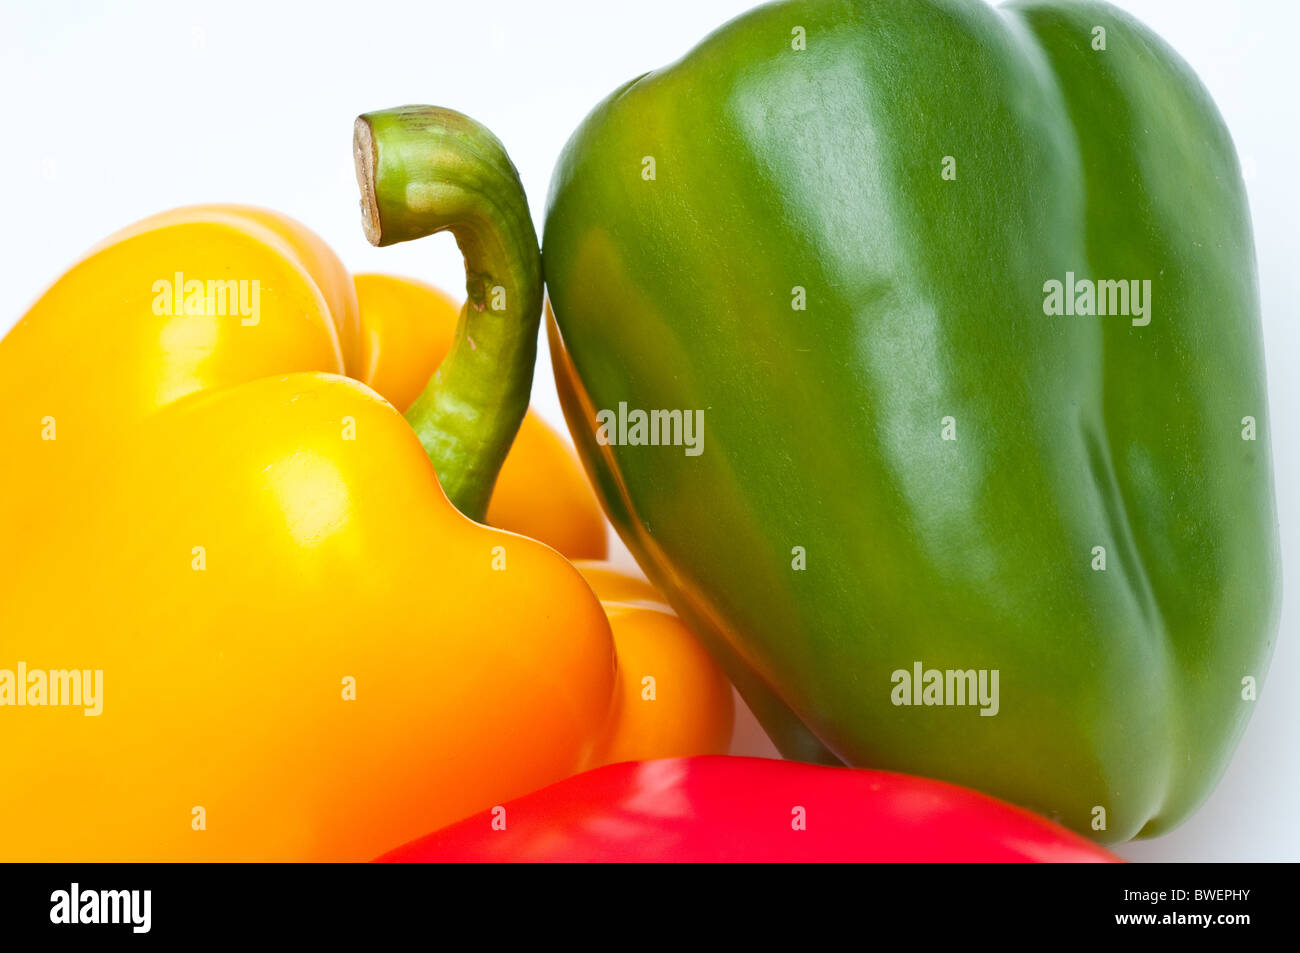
{"points": [[111, 114]]}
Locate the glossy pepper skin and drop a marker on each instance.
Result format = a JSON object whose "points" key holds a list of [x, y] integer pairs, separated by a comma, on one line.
{"points": [[746, 810], [408, 327], [307, 653], [921, 465]]}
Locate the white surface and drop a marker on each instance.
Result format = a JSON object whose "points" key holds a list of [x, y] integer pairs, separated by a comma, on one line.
{"points": [[112, 114]]}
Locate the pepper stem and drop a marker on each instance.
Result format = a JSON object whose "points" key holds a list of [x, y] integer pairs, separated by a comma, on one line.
{"points": [[422, 170]]}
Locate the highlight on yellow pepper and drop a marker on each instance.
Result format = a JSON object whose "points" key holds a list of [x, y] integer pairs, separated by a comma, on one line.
{"points": [[239, 618], [408, 328]]}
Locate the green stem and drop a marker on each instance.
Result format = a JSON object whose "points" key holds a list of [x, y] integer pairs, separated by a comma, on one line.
{"points": [[423, 169]]}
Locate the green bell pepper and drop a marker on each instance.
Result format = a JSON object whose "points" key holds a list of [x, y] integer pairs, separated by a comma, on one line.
{"points": [[965, 302]]}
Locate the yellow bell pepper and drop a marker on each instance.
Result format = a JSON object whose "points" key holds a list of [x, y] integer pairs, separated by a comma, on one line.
{"points": [[541, 491], [408, 327], [239, 619], [672, 699]]}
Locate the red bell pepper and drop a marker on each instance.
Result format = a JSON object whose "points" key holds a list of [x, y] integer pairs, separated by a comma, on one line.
{"points": [[718, 808]]}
